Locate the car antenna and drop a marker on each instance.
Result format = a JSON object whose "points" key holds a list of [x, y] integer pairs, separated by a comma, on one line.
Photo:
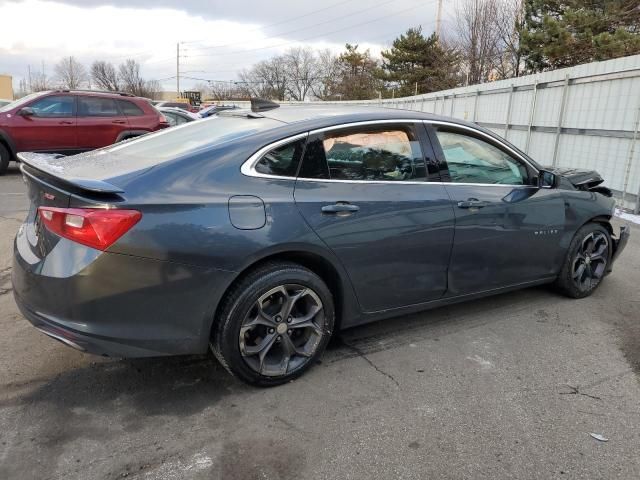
{"points": [[262, 105]]}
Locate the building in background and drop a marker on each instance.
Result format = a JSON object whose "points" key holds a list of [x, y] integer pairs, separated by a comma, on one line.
{"points": [[6, 87]]}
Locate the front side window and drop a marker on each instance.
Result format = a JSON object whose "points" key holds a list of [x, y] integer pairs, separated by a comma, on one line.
{"points": [[282, 161], [368, 153], [97, 107], [471, 160], [53, 107]]}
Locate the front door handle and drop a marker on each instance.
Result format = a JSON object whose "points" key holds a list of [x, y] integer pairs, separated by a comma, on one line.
{"points": [[65, 122], [119, 121], [472, 203], [340, 208]]}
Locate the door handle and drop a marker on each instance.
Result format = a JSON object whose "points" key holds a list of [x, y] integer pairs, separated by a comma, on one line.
{"points": [[340, 207], [65, 122], [119, 121], [472, 203]]}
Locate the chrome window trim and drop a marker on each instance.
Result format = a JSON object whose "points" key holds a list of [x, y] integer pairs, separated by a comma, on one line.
{"points": [[248, 167]]}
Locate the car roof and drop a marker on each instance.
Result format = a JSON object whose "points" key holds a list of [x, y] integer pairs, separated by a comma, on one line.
{"points": [[319, 116]]}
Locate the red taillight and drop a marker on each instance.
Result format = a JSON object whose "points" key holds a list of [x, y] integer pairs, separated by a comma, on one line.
{"points": [[96, 228]]}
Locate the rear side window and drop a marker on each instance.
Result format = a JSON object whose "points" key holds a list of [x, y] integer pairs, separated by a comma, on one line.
{"points": [[97, 107], [130, 109], [379, 153], [53, 106], [282, 161]]}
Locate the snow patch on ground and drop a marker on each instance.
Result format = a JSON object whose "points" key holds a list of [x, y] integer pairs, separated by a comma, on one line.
{"points": [[627, 216]]}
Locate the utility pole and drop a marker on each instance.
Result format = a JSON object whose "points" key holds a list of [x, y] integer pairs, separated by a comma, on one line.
{"points": [[439, 19], [178, 70], [29, 75]]}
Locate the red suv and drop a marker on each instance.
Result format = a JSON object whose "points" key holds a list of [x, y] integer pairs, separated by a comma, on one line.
{"points": [[73, 121]]}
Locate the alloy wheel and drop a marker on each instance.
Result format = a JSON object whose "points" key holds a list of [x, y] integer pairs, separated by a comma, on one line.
{"points": [[282, 330], [590, 262]]}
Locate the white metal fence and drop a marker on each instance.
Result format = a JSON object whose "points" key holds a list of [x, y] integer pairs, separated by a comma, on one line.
{"points": [[584, 117]]}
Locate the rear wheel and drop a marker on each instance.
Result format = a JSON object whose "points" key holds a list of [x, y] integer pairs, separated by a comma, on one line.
{"points": [[586, 262], [274, 324], [5, 157]]}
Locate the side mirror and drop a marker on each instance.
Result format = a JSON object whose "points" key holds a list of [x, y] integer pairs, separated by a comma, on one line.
{"points": [[26, 112], [547, 179]]}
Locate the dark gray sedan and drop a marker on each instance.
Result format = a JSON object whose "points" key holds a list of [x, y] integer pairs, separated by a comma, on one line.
{"points": [[260, 233]]}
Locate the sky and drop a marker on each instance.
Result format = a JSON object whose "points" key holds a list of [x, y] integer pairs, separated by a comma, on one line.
{"points": [[217, 38]]}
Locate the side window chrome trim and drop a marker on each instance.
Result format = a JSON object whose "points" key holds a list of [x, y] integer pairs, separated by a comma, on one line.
{"points": [[402, 182], [511, 151], [248, 168]]}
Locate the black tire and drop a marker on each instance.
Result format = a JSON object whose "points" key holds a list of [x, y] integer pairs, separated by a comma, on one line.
{"points": [[5, 157], [586, 262], [251, 309]]}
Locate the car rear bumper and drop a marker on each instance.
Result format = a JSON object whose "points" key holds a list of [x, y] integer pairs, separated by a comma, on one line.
{"points": [[116, 305]]}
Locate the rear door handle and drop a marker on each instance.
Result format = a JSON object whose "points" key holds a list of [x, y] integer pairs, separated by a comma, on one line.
{"points": [[340, 207], [472, 203], [119, 121]]}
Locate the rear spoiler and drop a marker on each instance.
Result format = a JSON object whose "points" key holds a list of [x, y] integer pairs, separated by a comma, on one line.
{"points": [[46, 163]]}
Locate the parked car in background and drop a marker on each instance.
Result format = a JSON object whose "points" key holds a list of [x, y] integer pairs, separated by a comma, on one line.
{"points": [[73, 121], [214, 109], [263, 234], [4, 102], [177, 116], [183, 105]]}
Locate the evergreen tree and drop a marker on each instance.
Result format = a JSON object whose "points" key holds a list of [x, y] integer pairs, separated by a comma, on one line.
{"points": [[415, 60], [356, 75], [563, 33]]}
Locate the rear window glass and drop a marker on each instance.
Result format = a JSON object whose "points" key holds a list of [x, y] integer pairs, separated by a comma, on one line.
{"points": [[130, 109], [282, 161], [158, 147]]}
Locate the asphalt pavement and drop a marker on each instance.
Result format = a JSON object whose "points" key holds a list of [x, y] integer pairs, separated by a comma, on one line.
{"points": [[505, 387]]}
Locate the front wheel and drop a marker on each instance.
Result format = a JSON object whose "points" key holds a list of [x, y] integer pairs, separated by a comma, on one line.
{"points": [[586, 263], [274, 324]]}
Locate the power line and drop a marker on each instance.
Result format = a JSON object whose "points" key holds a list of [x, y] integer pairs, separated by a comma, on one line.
{"points": [[302, 28], [307, 38], [287, 20]]}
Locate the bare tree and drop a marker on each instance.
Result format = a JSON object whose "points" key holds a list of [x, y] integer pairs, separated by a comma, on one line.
{"points": [[478, 37], [510, 22], [105, 76], [266, 79], [129, 75], [325, 85], [151, 89], [302, 72], [70, 73]]}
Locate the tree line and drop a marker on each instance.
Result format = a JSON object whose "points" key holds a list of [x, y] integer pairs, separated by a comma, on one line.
{"points": [[70, 74], [488, 40]]}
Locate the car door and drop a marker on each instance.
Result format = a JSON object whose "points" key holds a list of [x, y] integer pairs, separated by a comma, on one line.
{"points": [[50, 128], [508, 230], [364, 190], [100, 121]]}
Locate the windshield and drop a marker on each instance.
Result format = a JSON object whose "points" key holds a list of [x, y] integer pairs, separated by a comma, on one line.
{"points": [[20, 101]]}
